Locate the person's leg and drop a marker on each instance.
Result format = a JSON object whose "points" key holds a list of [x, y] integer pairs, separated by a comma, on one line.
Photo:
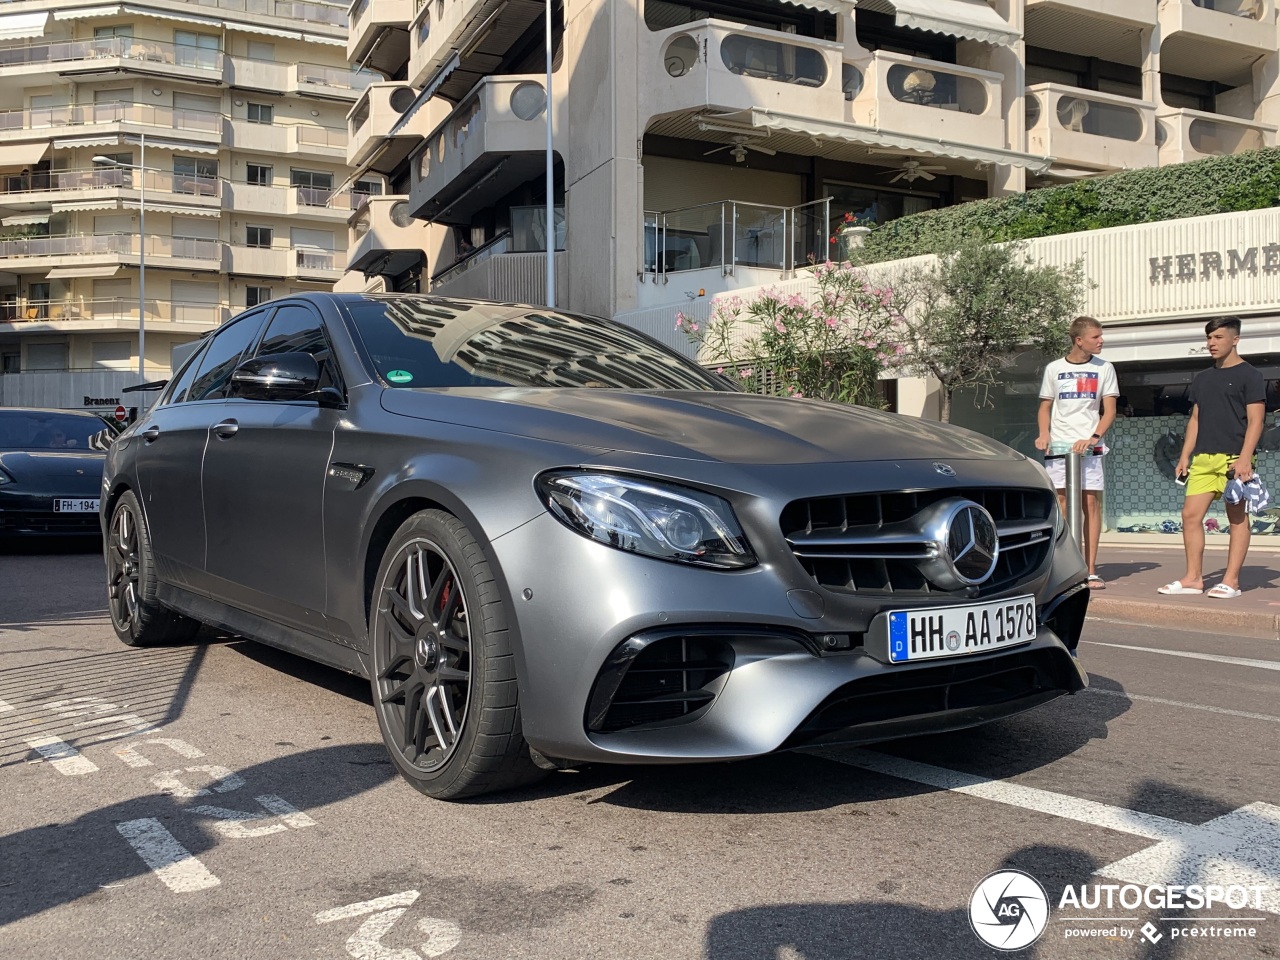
{"points": [[1238, 545], [1093, 529], [1193, 510]]}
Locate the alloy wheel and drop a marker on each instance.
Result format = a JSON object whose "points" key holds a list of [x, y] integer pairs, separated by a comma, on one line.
{"points": [[422, 655], [124, 568]]}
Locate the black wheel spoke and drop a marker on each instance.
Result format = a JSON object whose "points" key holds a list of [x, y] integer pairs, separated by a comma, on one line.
{"points": [[451, 641], [452, 675], [401, 606], [451, 608]]}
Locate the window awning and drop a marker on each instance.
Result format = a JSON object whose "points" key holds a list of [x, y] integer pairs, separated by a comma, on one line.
{"points": [[68, 273], [22, 154], [871, 136], [175, 208], [827, 6], [427, 93], [172, 15], [327, 41], [265, 31], [25, 219], [971, 19], [184, 145], [72, 143], [77, 206], [23, 26], [86, 13]]}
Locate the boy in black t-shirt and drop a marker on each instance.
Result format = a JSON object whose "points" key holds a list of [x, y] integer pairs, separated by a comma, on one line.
{"points": [[1229, 406]]}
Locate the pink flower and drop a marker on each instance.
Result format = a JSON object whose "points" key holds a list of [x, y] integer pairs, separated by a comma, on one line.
{"points": [[779, 326], [693, 327], [744, 373], [719, 369]]}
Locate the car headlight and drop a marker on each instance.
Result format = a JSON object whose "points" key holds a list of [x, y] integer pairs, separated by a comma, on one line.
{"points": [[647, 517], [1059, 521], [5, 478]]}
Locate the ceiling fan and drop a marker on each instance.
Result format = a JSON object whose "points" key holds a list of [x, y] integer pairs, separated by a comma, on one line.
{"points": [[738, 149], [912, 170]]}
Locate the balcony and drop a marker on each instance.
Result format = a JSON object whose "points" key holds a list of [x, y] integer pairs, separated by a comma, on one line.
{"points": [[379, 31], [492, 273], [497, 135], [925, 98], [305, 79], [35, 254], [70, 57], [479, 32], [306, 11], [329, 143], [88, 314], [1090, 130], [1192, 134], [371, 120], [313, 203], [39, 190], [385, 237], [745, 68], [1216, 39], [113, 117], [1138, 12], [290, 263]]}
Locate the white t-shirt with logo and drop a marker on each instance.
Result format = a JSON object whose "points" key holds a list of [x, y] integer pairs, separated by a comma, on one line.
{"points": [[1076, 390]]}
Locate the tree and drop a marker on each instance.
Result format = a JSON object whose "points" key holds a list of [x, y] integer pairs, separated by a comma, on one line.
{"points": [[967, 313], [831, 346]]}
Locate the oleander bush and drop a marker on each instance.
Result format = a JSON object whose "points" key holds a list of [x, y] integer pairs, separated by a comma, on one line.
{"points": [[1246, 181]]}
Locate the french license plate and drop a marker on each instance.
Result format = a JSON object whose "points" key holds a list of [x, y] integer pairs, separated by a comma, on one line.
{"points": [[76, 506], [956, 631]]}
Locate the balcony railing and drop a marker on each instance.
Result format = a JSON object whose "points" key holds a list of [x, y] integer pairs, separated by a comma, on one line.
{"points": [[733, 234], [1191, 134], [112, 309], [40, 118], [315, 73], [499, 244], [1089, 128], [120, 244], [59, 181], [309, 12], [1251, 9], [125, 48]]}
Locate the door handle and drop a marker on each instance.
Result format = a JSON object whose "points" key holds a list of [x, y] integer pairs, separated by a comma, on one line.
{"points": [[226, 429], [151, 433]]}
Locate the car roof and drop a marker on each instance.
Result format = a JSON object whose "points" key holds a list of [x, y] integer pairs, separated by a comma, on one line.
{"points": [[51, 410]]}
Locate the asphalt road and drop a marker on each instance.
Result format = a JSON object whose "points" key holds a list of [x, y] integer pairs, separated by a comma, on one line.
{"points": [[223, 800]]}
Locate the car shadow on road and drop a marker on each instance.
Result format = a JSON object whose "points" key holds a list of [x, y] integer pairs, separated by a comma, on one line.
{"points": [[50, 546], [85, 858]]}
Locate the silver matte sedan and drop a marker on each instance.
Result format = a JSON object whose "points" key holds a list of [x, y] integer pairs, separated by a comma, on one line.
{"points": [[547, 540]]}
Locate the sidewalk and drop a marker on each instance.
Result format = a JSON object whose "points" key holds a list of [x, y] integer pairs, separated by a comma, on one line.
{"points": [[1133, 575]]}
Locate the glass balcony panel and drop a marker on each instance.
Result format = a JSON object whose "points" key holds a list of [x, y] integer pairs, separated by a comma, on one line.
{"points": [[936, 88], [1252, 9], [751, 56], [695, 237], [1212, 138], [1083, 115], [529, 229]]}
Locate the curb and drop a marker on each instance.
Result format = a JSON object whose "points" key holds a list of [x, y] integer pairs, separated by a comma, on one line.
{"points": [[1264, 625]]}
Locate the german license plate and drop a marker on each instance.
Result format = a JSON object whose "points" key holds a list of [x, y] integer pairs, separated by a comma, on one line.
{"points": [[76, 506], [956, 631]]}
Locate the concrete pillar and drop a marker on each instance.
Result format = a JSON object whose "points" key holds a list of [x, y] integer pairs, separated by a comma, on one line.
{"points": [[920, 397]]}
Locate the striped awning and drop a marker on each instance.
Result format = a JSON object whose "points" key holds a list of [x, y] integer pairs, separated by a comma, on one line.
{"points": [[175, 208], [87, 13], [78, 206], [185, 146], [68, 273], [967, 19], [71, 143], [25, 219], [23, 26]]}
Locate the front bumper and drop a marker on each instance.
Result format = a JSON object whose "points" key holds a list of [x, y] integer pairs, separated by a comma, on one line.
{"points": [[782, 687], [29, 515]]}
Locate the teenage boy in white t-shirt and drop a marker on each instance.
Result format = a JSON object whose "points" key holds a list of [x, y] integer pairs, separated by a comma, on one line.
{"points": [[1078, 406]]}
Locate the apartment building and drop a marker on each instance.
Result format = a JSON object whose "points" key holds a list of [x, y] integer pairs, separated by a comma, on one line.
{"points": [[712, 145], [224, 120]]}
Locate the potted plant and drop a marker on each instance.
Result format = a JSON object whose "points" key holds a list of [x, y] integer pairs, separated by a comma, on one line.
{"points": [[852, 231]]}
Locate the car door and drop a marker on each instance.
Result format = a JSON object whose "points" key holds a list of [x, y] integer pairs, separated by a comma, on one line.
{"points": [[263, 488], [173, 435]]}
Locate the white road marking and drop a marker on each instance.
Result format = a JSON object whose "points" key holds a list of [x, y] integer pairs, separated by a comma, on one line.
{"points": [[1241, 847], [169, 860], [65, 758], [131, 720], [404, 899], [4, 707], [1178, 703], [224, 781], [1216, 658], [130, 755], [233, 823], [442, 936]]}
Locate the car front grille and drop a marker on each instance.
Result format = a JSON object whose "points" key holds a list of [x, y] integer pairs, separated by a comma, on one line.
{"points": [[669, 680], [38, 521], [873, 544]]}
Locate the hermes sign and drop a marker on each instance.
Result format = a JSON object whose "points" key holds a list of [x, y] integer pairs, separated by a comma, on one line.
{"points": [[1213, 264]]}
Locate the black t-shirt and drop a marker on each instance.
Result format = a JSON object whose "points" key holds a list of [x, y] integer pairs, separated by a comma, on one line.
{"points": [[1223, 394]]}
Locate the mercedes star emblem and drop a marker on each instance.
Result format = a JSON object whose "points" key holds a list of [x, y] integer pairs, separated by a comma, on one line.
{"points": [[945, 469], [965, 544]]}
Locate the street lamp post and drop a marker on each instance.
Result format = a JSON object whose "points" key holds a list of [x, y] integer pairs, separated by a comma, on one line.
{"points": [[141, 167], [551, 178]]}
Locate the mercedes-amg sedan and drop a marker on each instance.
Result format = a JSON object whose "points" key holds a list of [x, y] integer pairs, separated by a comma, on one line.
{"points": [[548, 540]]}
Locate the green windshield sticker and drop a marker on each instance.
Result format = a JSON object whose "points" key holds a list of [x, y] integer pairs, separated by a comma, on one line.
{"points": [[399, 376]]}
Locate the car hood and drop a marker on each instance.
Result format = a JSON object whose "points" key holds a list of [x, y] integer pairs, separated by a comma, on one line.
{"points": [[701, 425], [52, 466]]}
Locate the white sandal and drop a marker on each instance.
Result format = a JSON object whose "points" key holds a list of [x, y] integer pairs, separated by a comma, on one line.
{"points": [[1176, 587], [1224, 592]]}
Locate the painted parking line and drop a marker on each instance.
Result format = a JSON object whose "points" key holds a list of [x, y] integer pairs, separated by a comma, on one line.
{"points": [[1241, 847], [1179, 703], [171, 862], [5, 708], [64, 758], [1215, 657]]}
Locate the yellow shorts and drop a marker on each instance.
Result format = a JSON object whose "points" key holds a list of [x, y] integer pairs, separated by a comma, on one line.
{"points": [[1208, 473]]}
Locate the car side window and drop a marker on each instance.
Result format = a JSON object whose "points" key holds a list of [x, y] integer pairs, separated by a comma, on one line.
{"points": [[296, 328], [223, 355], [179, 388]]}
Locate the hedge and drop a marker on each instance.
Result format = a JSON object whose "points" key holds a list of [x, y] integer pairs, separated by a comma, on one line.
{"points": [[1246, 181]]}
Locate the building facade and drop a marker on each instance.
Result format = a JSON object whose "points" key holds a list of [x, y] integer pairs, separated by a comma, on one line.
{"points": [[225, 120]]}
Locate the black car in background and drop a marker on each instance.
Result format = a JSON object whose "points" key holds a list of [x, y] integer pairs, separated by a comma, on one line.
{"points": [[51, 471]]}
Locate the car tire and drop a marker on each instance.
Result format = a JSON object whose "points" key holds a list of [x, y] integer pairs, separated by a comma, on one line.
{"points": [[443, 673], [139, 619]]}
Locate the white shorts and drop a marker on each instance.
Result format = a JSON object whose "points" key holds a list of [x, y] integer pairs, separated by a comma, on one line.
{"points": [[1091, 469]]}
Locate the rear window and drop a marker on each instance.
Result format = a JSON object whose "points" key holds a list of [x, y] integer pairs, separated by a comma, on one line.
{"points": [[41, 430], [422, 342]]}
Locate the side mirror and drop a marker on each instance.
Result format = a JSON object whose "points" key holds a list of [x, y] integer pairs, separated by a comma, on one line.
{"points": [[284, 376]]}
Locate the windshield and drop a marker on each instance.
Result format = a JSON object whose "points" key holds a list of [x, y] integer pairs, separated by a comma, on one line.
{"points": [[49, 430], [419, 341]]}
